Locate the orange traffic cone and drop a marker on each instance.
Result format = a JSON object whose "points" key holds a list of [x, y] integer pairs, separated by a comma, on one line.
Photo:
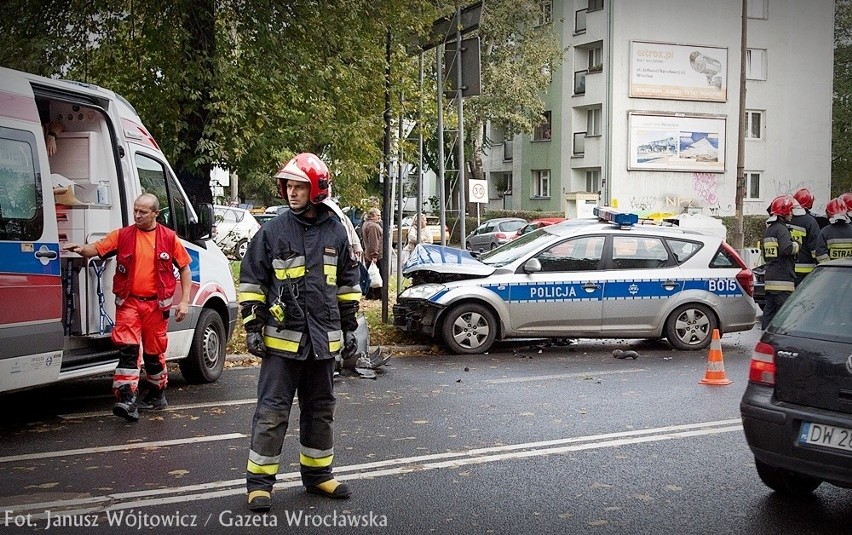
{"points": [[715, 374]]}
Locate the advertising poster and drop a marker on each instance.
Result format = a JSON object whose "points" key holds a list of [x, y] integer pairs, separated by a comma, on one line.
{"points": [[681, 72], [676, 143]]}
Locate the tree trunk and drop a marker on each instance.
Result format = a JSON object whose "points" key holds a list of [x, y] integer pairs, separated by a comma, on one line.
{"points": [[199, 54]]}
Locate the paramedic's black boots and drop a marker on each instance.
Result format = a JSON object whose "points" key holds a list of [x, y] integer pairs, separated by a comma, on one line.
{"points": [[154, 400], [126, 406]]}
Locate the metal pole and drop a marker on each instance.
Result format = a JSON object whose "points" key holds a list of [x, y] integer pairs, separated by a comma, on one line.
{"points": [[420, 151], [738, 237], [387, 189], [439, 54], [401, 186], [461, 163]]}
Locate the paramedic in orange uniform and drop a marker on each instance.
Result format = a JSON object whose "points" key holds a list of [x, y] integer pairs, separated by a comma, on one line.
{"points": [[144, 284]]}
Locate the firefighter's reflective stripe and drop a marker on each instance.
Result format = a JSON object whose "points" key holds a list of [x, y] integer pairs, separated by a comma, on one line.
{"points": [[770, 247], [779, 286], [292, 268], [315, 458], [282, 340], [329, 269], [804, 268], [252, 292], [839, 248], [349, 293], [287, 340], [262, 464]]}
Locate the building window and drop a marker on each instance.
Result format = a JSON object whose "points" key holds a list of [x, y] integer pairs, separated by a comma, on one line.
{"points": [[593, 122], [580, 21], [596, 59], [595, 5], [756, 64], [580, 83], [579, 143], [542, 131], [757, 9], [752, 185], [541, 183], [754, 124], [593, 180], [545, 13]]}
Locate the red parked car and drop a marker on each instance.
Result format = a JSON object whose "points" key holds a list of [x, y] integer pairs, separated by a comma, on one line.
{"points": [[536, 224]]}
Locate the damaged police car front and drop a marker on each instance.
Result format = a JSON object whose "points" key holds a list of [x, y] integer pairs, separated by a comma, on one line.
{"points": [[583, 278]]}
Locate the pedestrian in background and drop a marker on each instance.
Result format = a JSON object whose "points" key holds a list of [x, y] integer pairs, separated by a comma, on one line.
{"points": [[425, 236], [779, 251], [838, 233], [144, 285], [372, 233], [804, 229], [299, 296]]}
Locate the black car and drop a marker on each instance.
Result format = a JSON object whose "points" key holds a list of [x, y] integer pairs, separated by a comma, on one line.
{"points": [[797, 407], [759, 292]]}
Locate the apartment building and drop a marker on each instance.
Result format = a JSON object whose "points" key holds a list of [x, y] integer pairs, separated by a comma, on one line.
{"points": [[644, 112]]}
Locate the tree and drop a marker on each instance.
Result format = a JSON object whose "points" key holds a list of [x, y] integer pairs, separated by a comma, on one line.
{"points": [[841, 138]]}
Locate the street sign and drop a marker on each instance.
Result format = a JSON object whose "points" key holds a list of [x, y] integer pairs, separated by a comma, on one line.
{"points": [[471, 67], [478, 191], [445, 28]]}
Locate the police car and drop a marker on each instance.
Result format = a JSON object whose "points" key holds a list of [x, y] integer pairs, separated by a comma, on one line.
{"points": [[593, 278]]}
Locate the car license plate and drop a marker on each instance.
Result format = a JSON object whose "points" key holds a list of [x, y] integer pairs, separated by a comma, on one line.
{"points": [[828, 436]]}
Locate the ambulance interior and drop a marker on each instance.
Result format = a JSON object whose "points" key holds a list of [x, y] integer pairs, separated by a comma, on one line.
{"points": [[85, 178]]}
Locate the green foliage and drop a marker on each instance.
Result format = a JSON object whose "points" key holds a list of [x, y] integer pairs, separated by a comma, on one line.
{"points": [[841, 139]]}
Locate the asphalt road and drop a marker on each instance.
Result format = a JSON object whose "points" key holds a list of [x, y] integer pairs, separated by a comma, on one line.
{"points": [[527, 439]]}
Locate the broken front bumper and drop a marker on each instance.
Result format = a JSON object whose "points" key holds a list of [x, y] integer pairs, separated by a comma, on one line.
{"points": [[415, 315]]}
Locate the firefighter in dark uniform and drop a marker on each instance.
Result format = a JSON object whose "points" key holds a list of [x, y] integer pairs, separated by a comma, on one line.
{"points": [[838, 233], [779, 251], [804, 229], [299, 296]]}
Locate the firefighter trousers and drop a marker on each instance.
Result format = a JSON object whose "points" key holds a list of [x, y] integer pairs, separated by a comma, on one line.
{"points": [[279, 381]]}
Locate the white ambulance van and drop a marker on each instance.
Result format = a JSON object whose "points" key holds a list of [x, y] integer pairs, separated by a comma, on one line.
{"points": [[57, 308]]}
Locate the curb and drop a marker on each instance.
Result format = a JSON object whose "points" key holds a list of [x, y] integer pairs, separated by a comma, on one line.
{"points": [[395, 350]]}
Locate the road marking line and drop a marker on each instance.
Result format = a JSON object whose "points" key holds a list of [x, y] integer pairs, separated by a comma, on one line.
{"points": [[206, 405], [158, 497], [561, 376], [120, 447]]}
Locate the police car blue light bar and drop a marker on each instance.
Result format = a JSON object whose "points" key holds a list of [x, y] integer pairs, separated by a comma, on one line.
{"points": [[605, 213]]}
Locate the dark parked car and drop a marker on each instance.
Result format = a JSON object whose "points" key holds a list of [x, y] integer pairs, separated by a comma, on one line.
{"points": [[759, 273], [797, 407]]}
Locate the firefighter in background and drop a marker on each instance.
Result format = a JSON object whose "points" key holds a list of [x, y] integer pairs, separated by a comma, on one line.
{"points": [[144, 285], [805, 230], [838, 233], [299, 296], [779, 251]]}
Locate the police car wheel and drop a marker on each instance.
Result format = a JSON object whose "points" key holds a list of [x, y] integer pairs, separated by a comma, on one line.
{"points": [[691, 327], [469, 328]]}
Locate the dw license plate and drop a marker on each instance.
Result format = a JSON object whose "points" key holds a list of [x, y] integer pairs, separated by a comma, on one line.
{"points": [[828, 436]]}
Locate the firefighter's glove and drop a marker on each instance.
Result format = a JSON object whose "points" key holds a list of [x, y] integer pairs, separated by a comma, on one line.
{"points": [[254, 342], [350, 343]]}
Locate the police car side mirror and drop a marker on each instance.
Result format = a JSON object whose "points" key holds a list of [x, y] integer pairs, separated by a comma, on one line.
{"points": [[533, 265]]}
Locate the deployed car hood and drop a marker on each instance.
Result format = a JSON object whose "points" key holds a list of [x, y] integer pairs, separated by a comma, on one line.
{"points": [[440, 263]]}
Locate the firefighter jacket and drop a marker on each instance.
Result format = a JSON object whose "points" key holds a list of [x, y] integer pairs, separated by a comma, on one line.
{"points": [[805, 231], [838, 239], [299, 284], [779, 251], [164, 274]]}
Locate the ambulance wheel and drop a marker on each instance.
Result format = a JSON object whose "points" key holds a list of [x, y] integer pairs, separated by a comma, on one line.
{"points": [[691, 327], [469, 328], [206, 357], [240, 249]]}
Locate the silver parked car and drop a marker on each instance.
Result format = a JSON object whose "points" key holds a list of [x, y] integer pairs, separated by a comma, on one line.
{"points": [[580, 278], [235, 227], [493, 233]]}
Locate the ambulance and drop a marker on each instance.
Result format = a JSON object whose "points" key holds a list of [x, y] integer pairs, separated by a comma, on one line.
{"points": [[57, 308]]}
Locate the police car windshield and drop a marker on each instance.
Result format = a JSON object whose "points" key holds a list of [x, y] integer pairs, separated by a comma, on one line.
{"points": [[516, 248]]}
